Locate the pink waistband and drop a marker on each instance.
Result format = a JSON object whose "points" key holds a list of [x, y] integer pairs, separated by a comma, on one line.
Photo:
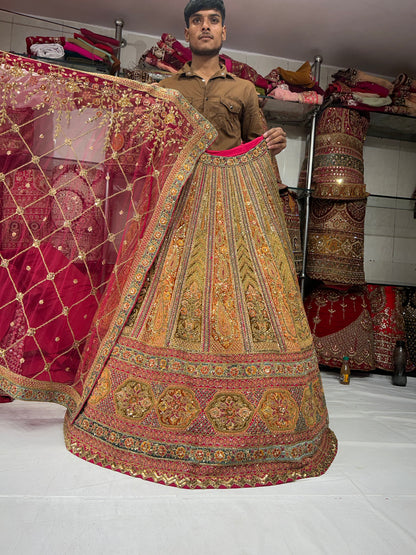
{"points": [[237, 150]]}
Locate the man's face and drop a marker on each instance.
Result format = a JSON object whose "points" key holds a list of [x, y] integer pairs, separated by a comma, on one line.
{"points": [[206, 33]]}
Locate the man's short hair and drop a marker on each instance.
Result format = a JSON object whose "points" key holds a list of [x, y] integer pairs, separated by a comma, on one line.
{"points": [[194, 6]]}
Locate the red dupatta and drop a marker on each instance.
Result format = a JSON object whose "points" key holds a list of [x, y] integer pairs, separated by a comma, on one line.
{"points": [[91, 168]]}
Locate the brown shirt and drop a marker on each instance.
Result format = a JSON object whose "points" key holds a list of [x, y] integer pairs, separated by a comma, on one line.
{"points": [[228, 102]]}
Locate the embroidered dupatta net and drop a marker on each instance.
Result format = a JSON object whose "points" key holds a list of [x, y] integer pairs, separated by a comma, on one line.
{"points": [[88, 164]]}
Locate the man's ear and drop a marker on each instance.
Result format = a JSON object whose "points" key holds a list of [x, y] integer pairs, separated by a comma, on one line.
{"points": [[186, 34], [224, 32]]}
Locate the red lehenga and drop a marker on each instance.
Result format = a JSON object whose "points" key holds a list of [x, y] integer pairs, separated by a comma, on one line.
{"points": [[198, 367]]}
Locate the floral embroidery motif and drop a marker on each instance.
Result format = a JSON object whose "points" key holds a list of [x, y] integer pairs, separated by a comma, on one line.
{"points": [[279, 410], [177, 407], [133, 399], [230, 412]]}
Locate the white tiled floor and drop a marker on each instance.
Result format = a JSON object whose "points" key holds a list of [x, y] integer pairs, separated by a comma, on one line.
{"points": [[54, 503]]}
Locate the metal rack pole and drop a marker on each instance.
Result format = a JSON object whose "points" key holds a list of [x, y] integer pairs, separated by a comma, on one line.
{"points": [[309, 174], [307, 197], [119, 23]]}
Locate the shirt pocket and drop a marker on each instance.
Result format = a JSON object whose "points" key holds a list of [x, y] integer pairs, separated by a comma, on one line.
{"points": [[227, 115], [232, 105]]}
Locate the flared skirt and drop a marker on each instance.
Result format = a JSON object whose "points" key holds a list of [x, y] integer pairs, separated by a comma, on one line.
{"points": [[213, 380]]}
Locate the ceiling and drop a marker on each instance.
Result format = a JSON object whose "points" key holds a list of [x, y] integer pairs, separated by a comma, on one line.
{"points": [[376, 36]]}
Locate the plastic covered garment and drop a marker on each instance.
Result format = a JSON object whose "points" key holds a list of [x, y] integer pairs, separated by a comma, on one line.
{"points": [[198, 368]]}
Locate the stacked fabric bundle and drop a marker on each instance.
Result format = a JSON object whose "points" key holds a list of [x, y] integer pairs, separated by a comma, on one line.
{"points": [[356, 89], [336, 228], [85, 47], [404, 93], [360, 90], [295, 86], [89, 46], [45, 47]]}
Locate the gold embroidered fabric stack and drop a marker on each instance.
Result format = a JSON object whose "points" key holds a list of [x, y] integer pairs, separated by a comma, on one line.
{"points": [[336, 230]]}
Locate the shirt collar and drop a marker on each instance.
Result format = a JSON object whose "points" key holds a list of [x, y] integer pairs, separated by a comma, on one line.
{"points": [[187, 71]]}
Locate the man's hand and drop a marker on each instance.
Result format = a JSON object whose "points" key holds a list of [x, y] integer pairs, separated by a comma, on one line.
{"points": [[275, 140]]}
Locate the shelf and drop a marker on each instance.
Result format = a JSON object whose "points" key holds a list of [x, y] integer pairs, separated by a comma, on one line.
{"points": [[281, 111], [382, 201], [392, 126], [81, 65], [391, 202]]}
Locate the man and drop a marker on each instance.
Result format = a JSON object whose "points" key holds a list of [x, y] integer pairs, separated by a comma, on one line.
{"points": [[228, 102]]}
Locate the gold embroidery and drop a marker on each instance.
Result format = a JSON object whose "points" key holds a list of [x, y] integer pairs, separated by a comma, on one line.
{"points": [[279, 410], [177, 407], [133, 399], [102, 389], [230, 412]]}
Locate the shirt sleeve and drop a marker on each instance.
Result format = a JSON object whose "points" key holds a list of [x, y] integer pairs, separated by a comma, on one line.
{"points": [[253, 123]]}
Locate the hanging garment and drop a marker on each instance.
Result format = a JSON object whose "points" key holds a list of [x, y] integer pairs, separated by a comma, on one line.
{"points": [[198, 369], [408, 296], [292, 218], [388, 323], [341, 326]]}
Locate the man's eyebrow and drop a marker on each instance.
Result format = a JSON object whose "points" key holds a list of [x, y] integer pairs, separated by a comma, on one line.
{"points": [[198, 14]]}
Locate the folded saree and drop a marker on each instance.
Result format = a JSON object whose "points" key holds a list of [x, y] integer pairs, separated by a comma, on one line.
{"points": [[81, 51], [302, 76], [198, 367], [353, 77], [54, 50]]}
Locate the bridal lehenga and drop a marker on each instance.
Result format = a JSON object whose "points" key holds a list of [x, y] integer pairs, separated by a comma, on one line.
{"points": [[148, 285]]}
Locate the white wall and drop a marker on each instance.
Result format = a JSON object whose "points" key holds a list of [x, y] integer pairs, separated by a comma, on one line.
{"points": [[390, 165]]}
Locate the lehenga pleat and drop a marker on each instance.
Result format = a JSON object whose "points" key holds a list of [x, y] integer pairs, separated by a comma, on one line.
{"points": [[213, 380]]}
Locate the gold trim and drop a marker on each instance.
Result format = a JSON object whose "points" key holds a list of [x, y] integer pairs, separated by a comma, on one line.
{"points": [[208, 482], [29, 389]]}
